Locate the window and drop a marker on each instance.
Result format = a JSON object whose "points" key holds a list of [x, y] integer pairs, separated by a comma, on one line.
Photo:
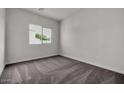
{"points": [[46, 35], [39, 35]]}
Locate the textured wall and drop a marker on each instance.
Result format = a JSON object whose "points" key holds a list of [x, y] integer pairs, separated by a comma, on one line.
{"points": [[95, 36], [17, 40], [2, 38]]}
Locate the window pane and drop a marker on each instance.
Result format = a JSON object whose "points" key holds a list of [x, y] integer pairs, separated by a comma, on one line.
{"points": [[35, 33], [33, 39], [46, 36]]}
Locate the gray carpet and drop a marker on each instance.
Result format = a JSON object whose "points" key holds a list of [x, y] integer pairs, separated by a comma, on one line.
{"points": [[58, 70]]}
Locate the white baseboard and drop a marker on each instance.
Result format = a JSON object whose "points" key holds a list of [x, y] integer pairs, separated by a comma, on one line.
{"points": [[98, 65], [75, 58], [22, 60]]}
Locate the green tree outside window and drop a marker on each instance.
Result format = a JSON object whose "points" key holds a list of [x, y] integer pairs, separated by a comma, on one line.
{"points": [[41, 37]]}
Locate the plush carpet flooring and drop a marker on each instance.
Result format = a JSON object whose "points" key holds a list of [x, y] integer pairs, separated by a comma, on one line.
{"points": [[58, 70]]}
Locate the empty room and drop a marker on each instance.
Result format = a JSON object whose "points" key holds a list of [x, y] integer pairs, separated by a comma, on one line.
{"points": [[61, 46]]}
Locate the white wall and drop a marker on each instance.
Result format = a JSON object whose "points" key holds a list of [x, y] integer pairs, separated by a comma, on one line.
{"points": [[17, 40], [2, 38], [95, 36]]}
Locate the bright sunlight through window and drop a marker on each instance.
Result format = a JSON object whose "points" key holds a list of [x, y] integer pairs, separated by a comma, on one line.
{"points": [[39, 35]]}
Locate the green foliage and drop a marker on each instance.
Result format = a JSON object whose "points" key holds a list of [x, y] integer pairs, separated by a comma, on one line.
{"points": [[41, 37], [38, 36]]}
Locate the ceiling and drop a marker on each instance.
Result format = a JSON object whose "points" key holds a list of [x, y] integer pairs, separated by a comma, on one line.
{"points": [[54, 13]]}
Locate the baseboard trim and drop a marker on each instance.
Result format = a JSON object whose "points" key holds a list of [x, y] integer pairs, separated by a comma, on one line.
{"points": [[97, 65], [31, 59], [74, 58]]}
